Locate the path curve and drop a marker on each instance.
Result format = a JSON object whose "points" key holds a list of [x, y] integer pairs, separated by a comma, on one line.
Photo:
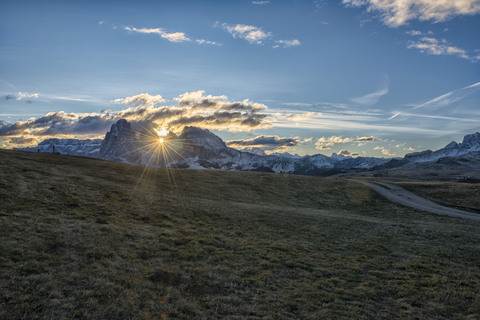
{"points": [[400, 195]]}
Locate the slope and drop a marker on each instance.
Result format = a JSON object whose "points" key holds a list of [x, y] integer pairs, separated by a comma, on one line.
{"points": [[88, 238]]}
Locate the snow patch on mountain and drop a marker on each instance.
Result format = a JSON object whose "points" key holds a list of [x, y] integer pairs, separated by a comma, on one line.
{"points": [[471, 143], [76, 147]]}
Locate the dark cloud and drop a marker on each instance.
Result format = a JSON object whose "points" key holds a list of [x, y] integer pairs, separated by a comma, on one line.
{"points": [[365, 139], [59, 123], [348, 153], [265, 142], [21, 96], [21, 140]]}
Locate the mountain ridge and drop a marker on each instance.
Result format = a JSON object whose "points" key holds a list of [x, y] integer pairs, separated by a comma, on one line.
{"points": [[198, 148]]}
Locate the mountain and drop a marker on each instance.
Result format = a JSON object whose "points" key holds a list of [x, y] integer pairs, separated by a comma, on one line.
{"points": [[471, 143], [198, 148], [75, 147], [121, 144]]}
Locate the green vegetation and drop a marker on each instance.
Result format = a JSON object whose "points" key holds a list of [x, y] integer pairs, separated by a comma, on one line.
{"points": [[85, 238]]}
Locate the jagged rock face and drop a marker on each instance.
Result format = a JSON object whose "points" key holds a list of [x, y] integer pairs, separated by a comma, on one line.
{"points": [[472, 141], [121, 144]]}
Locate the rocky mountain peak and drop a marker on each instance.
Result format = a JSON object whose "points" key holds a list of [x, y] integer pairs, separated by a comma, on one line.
{"points": [[118, 142], [451, 145], [202, 137], [471, 139], [119, 128]]}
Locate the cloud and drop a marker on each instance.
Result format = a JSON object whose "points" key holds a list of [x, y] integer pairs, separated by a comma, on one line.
{"points": [[371, 98], [433, 46], [172, 37], [448, 98], [347, 153], [365, 139], [22, 141], [250, 33], [203, 41], [197, 100], [271, 143], [287, 43], [21, 96], [415, 33], [325, 142], [256, 35], [301, 116], [384, 151], [59, 123], [395, 13], [141, 99], [192, 108], [261, 2]]}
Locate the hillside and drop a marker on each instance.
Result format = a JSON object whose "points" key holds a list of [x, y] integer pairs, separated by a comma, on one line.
{"points": [[89, 238]]}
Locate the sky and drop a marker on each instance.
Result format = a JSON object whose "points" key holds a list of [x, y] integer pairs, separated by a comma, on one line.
{"points": [[356, 77]]}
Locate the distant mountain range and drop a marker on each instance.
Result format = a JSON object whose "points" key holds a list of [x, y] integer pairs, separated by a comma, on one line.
{"points": [[200, 149]]}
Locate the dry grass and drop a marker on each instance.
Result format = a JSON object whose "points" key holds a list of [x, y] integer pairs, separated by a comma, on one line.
{"points": [[455, 194], [85, 238]]}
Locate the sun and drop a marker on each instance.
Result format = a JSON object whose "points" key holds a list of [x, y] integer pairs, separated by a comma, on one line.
{"points": [[161, 133]]}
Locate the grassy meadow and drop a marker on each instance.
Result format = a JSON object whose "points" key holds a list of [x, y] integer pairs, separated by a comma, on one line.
{"points": [[91, 239]]}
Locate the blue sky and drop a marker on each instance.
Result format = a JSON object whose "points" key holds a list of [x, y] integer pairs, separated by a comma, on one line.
{"points": [[355, 76]]}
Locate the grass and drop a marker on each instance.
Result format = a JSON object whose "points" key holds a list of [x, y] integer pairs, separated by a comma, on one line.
{"points": [[455, 194], [86, 238]]}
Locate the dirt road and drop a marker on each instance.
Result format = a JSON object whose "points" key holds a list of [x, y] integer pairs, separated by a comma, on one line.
{"points": [[399, 195]]}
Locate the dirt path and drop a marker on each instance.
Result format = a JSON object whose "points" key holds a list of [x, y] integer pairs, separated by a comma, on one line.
{"points": [[399, 195]]}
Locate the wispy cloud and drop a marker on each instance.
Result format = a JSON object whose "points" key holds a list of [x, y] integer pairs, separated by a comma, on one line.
{"points": [[252, 34], [326, 142], [256, 35], [172, 37], [302, 116], [286, 43], [261, 2], [371, 98], [436, 47], [21, 96], [203, 41], [415, 33], [395, 13], [449, 97], [429, 116]]}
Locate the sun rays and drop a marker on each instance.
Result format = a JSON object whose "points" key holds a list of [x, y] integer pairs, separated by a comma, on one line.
{"points": [[158, 148]]}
